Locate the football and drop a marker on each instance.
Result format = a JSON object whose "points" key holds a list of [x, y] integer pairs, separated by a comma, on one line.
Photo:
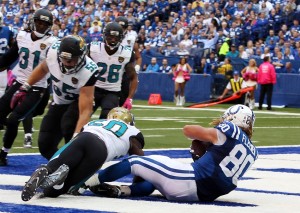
{"points": [[198, 149]]}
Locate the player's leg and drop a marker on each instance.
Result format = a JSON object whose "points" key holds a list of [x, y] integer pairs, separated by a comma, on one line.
{"points": [[20, 112], [4, 111], [27, 125], [110, 101], [69, 121], [50, 130], [124, 89], [175, 180], [84, 155]]}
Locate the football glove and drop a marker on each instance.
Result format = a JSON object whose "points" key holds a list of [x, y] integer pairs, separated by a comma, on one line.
{"points": [[19, 95], [128, 104]]}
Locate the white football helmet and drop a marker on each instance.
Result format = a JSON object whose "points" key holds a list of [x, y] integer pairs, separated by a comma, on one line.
{"points": [[240, 115]]}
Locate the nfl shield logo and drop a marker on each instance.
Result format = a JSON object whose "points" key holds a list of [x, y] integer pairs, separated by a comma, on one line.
{"points": [[74, 80], [120, 59], [43, 46]]}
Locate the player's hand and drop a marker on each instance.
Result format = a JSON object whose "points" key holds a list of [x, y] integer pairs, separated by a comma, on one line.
{"points": [[128, 104], [19, 95]]}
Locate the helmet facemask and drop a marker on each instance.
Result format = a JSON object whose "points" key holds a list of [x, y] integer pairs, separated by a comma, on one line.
{"points": [[41, 22], [71, 54]]}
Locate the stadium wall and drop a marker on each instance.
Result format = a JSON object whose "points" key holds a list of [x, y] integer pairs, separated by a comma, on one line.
{"points": [[198, 88]]}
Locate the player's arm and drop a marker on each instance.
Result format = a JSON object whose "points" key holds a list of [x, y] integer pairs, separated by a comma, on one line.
{"points": [[136, 145], [132, 75], [138, 57], [201, 133], [38, 73], [9, 57], [85, 103]]}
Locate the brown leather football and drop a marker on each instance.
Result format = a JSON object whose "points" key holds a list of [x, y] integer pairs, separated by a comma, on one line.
{"points": [[198, 148]]}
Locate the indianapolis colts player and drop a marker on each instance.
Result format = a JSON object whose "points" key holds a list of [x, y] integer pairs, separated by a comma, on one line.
{"points": [[215, 174]]}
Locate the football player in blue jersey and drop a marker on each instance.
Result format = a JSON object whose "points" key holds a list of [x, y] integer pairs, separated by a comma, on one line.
{"points": [[230, 154]]}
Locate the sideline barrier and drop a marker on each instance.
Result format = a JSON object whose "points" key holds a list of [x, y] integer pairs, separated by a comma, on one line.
{"points": [[198, 88]]}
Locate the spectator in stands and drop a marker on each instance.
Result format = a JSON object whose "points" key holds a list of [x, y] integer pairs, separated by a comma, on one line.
{"points": [[242, 52], [278, 62], [224, 49], [213, 61], [235, 84], [288, 54], [153, 66], [181, 76], [182, 51], [249, 74], [233, 53], [186, 43], [226, 68], [266, 53], [203, 68], [165, 67], [289, 69], [266, 78]]}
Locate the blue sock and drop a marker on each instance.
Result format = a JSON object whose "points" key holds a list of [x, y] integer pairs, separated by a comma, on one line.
{"points": [[115, 171], [144, 188]]}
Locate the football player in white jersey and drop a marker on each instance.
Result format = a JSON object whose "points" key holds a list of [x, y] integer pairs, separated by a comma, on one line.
{"points": [[73, 77], [19, 101], [100, 141], [113, 59], [224, 161], [128, 40]]}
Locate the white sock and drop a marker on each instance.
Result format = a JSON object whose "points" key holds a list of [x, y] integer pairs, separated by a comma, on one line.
{"points": [[5, 149], [92, 181], [28, 134], [125, 190]]}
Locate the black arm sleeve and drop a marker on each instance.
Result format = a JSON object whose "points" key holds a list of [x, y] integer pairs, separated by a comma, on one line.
{"points": [[10, 57], [92, 80]]}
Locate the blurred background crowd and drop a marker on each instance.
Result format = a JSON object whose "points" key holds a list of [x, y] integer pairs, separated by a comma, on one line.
{"points": [[206, 31]]}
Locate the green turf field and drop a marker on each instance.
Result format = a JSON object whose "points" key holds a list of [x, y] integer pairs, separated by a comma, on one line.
{"points": [[162, 125]]}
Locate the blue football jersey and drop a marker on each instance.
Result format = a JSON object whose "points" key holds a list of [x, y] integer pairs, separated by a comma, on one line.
{"points": [[6, 34], [219, 169]]}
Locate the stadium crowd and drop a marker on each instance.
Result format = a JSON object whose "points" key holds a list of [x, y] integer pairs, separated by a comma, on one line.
{"points": [[235, 28]]}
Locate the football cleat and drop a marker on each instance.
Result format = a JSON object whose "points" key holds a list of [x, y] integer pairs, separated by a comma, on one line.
{"points": [[28, 142], [34, 183], [104, 189], [3, 158], [56, 178]]}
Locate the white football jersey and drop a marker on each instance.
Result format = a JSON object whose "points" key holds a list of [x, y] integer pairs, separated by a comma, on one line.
{"points": [[31, 53], [115, 134], [129, 40], [66, 88], [111, 67]]}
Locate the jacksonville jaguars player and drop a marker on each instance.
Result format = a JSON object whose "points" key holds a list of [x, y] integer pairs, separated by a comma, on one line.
{"points": [[73, 78], [129, 39], [20, 100], [216, 173], [113, 59], [100, 141]]}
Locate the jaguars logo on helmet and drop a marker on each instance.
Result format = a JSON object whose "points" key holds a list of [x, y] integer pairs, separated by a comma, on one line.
{"points": [[113, 35], [41, 15], [72, 50], [121, 113]]}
